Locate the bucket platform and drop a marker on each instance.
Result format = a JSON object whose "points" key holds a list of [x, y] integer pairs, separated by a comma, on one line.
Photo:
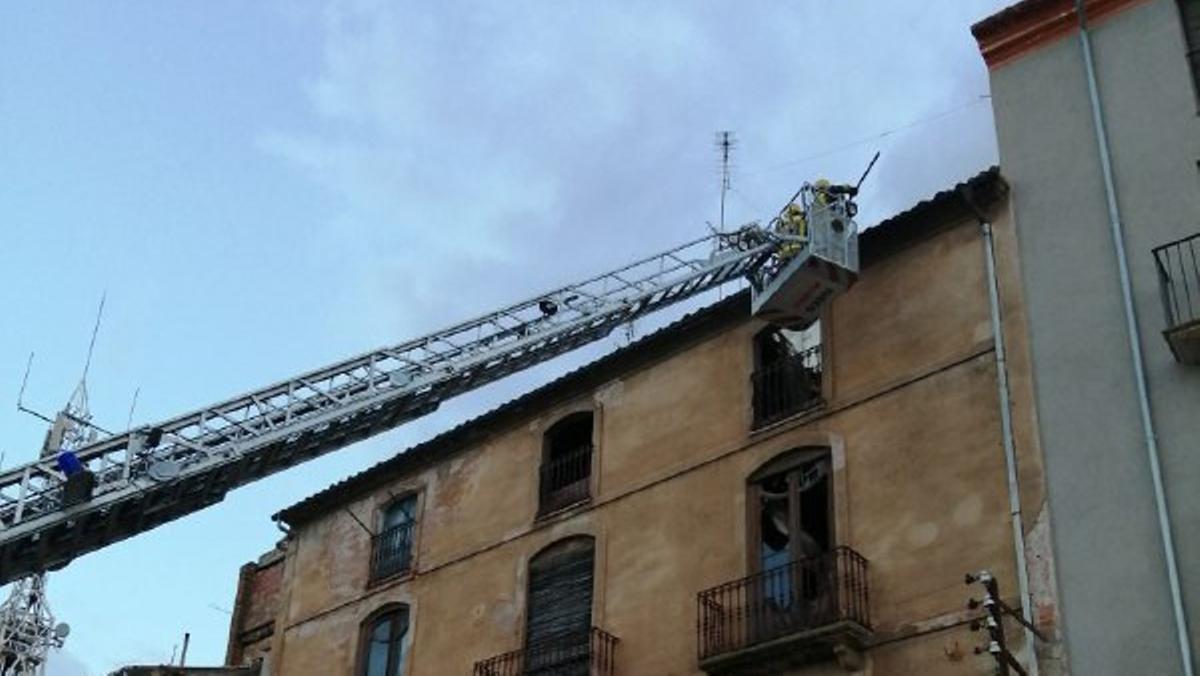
{"points": [[793, 290]]}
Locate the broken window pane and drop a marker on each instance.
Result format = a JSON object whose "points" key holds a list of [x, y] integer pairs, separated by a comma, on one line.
{"points": [[787, 372]]}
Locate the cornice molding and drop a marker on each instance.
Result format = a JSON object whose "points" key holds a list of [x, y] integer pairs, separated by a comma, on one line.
{"points": [[1032, 24]]}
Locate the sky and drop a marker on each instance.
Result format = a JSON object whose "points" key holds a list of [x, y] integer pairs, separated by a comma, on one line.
{"points": [[263, 188]]}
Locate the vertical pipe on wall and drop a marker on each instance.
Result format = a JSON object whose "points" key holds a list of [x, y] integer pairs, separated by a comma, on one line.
{"points": [[1006, 430], [1135, 345]]}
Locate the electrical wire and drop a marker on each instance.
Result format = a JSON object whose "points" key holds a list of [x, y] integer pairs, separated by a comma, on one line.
{"points": [[873, 137]]}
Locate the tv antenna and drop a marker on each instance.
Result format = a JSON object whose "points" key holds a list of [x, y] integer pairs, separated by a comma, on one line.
{"points": [[725, 143], [28, 631]]}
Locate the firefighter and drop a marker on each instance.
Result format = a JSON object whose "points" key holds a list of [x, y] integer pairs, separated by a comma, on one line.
{"points": [[823, 193], [792, 222]]}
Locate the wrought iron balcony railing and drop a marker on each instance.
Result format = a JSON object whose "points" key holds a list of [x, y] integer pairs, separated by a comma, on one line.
{"points": [[593, 654], [1178, 266], [391, 552], [787, 387], [792, 599], [1179, 279], [565, 480]]}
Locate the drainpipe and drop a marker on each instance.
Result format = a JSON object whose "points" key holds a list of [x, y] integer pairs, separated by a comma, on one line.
{"points": [[1006, 430], [1135, 346]]}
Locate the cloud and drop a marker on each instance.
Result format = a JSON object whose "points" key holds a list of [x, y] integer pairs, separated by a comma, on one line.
{"points": [[470, 143], [477, 154]]}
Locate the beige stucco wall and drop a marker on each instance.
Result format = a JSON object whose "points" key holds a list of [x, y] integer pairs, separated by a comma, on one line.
{"points": [[913, 423]]}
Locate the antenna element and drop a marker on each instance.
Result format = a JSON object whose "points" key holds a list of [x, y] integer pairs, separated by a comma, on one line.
{"points": [[725, 144]]}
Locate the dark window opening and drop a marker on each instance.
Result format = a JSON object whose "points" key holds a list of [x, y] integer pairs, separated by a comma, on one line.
{"points": [[558, 622], [1189, 12], [383, 643], [566, 470], [391, 547], [787, 373]]}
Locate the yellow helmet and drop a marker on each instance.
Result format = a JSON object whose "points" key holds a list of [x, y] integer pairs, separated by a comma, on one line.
{"points": [[822, 183]]}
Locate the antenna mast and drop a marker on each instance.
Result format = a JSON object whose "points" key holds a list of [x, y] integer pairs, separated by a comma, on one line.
{"points": [[27, 628], [725, 144]]}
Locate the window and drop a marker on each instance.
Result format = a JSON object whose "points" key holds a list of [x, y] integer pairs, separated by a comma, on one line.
{"points": [[787, 372], [391, 547], [1189, 12], [804, 593], [792, 539], [792, 499], [382, 647], [558, 619], [566, 470]]}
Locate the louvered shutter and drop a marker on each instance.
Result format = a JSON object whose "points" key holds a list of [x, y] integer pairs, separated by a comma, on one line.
{"points": [[559, 613]]}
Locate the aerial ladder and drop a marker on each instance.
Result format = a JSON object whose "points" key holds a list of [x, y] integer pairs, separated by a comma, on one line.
{"points": [[104, 490]]}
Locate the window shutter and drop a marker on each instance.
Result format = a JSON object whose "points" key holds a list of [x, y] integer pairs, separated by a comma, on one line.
{"points": [[560, 596]]}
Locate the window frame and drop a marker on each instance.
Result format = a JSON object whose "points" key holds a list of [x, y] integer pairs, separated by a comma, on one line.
{"points": [[548, 550], [381, 512], [544, 507], [824, 392], [397, 664], [394, 501], [787, 462]]}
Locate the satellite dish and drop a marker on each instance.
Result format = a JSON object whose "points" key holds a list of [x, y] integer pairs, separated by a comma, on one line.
{"points": [[163, 470], [62, 630]]}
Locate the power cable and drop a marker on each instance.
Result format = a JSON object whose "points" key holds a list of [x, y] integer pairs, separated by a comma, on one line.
{"points": [[868, 139]]}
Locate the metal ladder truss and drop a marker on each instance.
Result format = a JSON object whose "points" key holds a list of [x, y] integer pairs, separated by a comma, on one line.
{"points": [[154, 474]]}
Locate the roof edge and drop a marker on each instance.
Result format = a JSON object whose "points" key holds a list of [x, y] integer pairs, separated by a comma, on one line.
{"points": [[896, 233], [1029, 25]]}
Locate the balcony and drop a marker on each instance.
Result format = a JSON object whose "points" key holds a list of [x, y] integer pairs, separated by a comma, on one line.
{"points": [[806, 611], [1179, 281], [787, 387], [391, 552], [565, 480], [590, 655]]}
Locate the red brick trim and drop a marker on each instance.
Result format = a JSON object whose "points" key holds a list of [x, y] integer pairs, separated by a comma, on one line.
{"points": [[1031, 24]]}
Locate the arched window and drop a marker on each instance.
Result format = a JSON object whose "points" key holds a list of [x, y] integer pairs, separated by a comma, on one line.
{"points": [[391, 547], [566, 470], [791, 498], [383, 642], [558, 619]]}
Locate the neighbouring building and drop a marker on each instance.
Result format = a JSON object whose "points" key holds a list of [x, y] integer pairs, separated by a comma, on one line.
{"points": [[718, 497], [1097, 127], [254, 609]]}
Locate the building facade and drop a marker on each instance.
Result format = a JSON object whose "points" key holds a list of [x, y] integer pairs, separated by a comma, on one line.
{"points": [[1096, 118], [719, 497]]}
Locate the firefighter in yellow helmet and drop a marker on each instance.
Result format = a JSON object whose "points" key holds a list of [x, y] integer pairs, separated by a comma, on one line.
{"points": [[821, 193], [792, 222]]}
